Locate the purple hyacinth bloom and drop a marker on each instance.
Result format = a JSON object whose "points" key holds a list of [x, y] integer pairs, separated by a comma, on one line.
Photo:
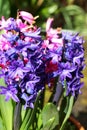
{"points": [[28, 62], [34, 35], [65, 70], [9, 92], [11, 38], [73, 46], [28, 100], [74, 86], [21, 60], [78, 59], [9, 24], [17, 68], [29, 82]]}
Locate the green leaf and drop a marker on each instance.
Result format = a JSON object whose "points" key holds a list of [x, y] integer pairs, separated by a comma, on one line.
{"points": [[6, 110], [34, 2], [49, 124], [52, 9], [1, 79], [39, 123], [23, 112], [17, 116], [28, 120], [50, 116], [4, 8], [69, 110], [2, 127], [48, 10], [67, 19], [74, 10]]}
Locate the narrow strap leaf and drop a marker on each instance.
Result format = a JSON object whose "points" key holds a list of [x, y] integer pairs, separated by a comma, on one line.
{"points": [[6, 110], [26, 119], [31, 118], [71, 101], [17, 116], [2, 127]]}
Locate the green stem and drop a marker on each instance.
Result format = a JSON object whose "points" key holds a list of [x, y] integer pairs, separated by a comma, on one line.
{"points": [[17, 116], [31, 119], [26, 118], [71, 101]]}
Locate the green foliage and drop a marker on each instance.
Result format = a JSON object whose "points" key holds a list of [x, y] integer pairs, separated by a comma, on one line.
{"points": [[6, 111], [29, 118], [67, 110], [71, 14], [2, 127], [4, 8], [65, 13], [50, 117]]}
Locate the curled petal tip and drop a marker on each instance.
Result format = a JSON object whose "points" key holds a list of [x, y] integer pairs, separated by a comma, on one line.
{"points": [[27, 16], [48, 24]]}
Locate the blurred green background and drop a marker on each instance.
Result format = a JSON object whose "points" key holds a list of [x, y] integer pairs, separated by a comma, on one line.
{"points": [[68, 14]]}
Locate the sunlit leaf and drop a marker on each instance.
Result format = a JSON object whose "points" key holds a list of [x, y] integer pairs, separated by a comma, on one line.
{"points": [[6, 110], [4, 8], [2, 127], [50, 116], [74, 10]]}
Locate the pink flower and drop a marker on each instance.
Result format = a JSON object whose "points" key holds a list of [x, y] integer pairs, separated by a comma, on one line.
{"points": [[48, 24], [21, 25], [49, 30], [27, 17], [2, 23], [53, 41], [4, 44]]}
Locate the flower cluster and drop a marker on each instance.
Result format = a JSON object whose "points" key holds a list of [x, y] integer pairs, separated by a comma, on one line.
{"points": [[28, 62], [73, 62], [66, 53], [21, 58]]}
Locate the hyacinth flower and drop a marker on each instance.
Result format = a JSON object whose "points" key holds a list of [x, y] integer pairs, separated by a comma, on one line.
{"points": [[29, 62], [53, 45], [21, 60], [23, 57], [66, 54], [74, 53]]}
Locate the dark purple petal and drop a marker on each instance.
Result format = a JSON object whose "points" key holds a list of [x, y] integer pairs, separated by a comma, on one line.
{"points": [[34, 35], [74, 87]]}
